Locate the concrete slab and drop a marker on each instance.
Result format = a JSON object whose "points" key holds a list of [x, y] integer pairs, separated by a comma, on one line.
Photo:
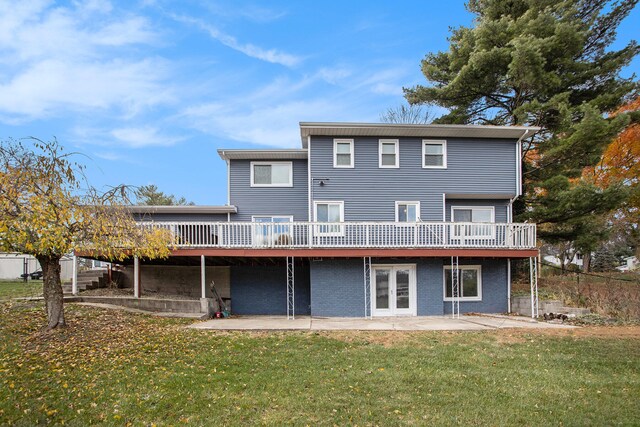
{"points": [[254, 323], [426, 323]]}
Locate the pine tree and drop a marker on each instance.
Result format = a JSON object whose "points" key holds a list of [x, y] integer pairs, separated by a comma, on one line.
{"points": [[544, 63]]}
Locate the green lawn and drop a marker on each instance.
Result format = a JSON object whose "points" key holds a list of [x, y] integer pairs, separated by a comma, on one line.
{"points": [[18, 288], [117, 368]]}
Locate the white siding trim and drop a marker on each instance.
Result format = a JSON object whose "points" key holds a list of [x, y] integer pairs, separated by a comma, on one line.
{"points": [[396, 144], [290, 184], [444, 152], [335, 157], [309, 180]]}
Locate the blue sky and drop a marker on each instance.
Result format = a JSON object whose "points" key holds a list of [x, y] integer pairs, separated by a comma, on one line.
{"points": [[150, 89]]}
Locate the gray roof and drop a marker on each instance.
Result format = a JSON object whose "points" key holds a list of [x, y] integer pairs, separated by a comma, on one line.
{"points": [[411, 130], [183, 209], [274, 154]]}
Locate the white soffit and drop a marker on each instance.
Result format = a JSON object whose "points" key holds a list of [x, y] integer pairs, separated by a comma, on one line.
{"points": [[409, 130], [275, 154]]}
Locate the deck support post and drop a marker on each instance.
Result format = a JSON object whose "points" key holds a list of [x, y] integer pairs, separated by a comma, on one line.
{"points": [[203, 278], [508, 285], [367, 287], [291, 311], [136, 277], [455, 288], [74, 275], [533, 280]]}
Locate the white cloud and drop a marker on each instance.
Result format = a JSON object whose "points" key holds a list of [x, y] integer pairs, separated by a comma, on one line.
{"points": [[60, 59], [49, 86], [138, 137], [269, 55], [269, 124]]}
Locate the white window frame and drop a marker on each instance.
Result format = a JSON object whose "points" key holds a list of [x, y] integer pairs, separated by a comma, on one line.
{"points": [[253, 184], [486, 208], [442, 142], [273, 243], [417, 203], [289, 217], [337, 141], [340, 230], [447, 270], [396, 144], [475, 235]]}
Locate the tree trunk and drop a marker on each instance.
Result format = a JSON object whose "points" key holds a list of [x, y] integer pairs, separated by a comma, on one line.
{"points": [[586, 262], [52, 290]]}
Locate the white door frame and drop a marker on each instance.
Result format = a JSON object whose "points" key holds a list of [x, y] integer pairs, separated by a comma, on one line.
{"points": [[392, 310]]}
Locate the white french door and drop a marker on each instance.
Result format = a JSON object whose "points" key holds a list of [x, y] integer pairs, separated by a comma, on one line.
{"points": [[393, 290]]}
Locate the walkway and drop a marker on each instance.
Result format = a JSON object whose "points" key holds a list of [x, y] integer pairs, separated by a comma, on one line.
{"points": [[427, 323]]}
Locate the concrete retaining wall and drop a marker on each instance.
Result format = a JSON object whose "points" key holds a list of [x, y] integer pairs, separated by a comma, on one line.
{"points": [[179, 280], [148, 304], [522, 305]]}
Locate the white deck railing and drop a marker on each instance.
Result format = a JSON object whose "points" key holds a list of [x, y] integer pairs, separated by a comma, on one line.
{"points": [[383, 235]]}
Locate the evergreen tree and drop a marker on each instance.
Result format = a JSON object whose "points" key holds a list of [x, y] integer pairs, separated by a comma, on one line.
{"points": [[151, 196], [543, 63]]}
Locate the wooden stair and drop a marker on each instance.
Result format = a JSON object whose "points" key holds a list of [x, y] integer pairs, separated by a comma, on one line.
{"points": [[88, 279]]}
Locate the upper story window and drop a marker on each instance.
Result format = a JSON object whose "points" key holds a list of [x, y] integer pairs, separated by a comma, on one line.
{"points": [[272, 230], [472, 214], [271, 174], [407, 211], [485, 215], [388, 153], [434, 154], [332, 212], [343, 153]]}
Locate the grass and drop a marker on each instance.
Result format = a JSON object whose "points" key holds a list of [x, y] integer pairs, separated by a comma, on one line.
{"points": [[18, 288], [118, 368]]}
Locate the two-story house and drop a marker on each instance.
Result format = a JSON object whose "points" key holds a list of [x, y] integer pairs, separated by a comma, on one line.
{"points": [[362, 220]]}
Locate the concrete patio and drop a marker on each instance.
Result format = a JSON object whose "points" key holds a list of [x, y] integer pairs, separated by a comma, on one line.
{"points": [[426, 323]]}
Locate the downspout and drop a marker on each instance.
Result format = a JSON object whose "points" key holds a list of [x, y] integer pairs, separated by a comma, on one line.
{"points": [[518, 188]]}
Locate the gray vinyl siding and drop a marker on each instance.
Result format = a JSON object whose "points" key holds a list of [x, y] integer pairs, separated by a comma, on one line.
{"points": [[268, 200], [180, 217], [369, 192], [500, 207]]}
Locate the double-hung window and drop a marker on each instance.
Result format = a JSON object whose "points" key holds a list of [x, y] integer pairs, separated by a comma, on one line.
{"points": [[470, 283], [271, 174], [407, 211], [388, 153], [332, 213], [343, 153], [434, 154], [483, 215]]}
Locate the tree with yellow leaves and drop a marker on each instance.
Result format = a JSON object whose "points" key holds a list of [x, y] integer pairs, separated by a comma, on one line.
{"points": [[48, 210]]}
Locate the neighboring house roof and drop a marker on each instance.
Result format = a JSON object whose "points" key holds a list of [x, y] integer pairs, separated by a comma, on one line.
{"points": [[183, 209], [411, 130], [275, 154]]}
